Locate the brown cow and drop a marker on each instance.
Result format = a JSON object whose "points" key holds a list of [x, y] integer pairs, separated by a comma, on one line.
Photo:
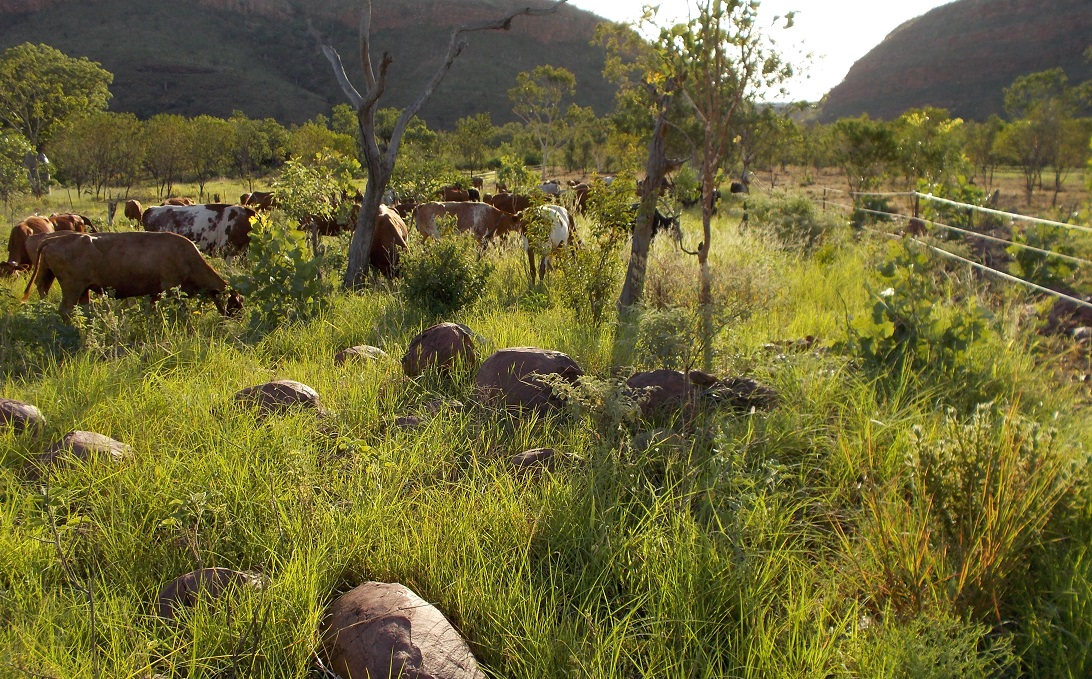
{"points": [[178, 200], [454, 193], [131, 264], [259, 200], [216, 228], [478, 183], [133, 210], [484, 221], [71, 222], [18, 259], [390, 237], [512, 203]]}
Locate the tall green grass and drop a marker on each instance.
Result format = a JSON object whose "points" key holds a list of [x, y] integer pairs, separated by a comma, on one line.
{"points": [[796, 542]]}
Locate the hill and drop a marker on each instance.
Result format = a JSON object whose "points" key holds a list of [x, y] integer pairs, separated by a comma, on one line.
{"points": [[962, 55], [215, 56]]}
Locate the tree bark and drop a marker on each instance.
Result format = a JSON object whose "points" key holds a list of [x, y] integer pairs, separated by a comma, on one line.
{"points": [[633, 289], [705, 298]]}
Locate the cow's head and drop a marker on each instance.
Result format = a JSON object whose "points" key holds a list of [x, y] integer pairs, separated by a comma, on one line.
{"points": [[9, 268], [233, 304]]}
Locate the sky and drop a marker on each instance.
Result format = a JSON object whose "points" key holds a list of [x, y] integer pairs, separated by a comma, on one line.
{"points": [[835, 32]]}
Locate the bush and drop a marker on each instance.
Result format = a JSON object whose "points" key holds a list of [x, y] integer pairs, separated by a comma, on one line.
{"points": [[33, 336], [283, 283], [668, 338], [1039, 268], [907, 326], [793, 221], [445, 274]]}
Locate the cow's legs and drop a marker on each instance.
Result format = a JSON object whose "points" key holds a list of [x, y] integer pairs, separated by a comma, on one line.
{"points": [[531, 264]]}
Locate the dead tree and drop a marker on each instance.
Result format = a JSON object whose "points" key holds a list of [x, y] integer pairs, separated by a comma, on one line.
{"points": [[380, 161]]}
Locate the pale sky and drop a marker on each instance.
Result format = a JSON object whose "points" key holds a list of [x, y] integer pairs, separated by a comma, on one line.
{"points": [[835, 32]]}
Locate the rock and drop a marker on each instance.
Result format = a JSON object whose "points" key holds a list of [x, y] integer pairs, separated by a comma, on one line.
{"points": [[409, 422], [667, 390], [279, 397], [1066, 315], [20, 416], [438, 404], [701, 378], [743, 393], [384, 630], [211, 582], [535, 459], [82, 445], [441, 347], [508, 377], [361, 352]]}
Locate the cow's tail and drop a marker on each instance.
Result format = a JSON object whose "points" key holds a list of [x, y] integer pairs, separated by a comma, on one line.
{"points": [[34, 273]]}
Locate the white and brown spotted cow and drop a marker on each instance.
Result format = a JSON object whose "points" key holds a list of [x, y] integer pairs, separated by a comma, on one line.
{"points": [[216, 228], [481, 219]]}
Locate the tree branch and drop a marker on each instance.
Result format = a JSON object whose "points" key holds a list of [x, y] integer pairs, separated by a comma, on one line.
{"points": [[339, 72], [366, 45]]}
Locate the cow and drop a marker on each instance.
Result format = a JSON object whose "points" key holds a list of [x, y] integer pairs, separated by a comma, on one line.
{"points": [[512, 203], [389, 238], [478, 183], [259, 200], [454, 194], [216, 228], [405, 208], [559, 221], [581, 190], [72, 222], [133, 210], [550, 188], [178, 200], [660, 222], [480, 219], [130, 264], [738, 187], [18, 258], [475, 195]]}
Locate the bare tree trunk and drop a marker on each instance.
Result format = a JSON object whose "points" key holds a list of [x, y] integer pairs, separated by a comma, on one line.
{"points": [[705, 297], [634, 287]]}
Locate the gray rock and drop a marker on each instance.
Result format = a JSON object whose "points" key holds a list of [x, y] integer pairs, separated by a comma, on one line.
{"points": [[509, 378], [210, 582], [667, 391], [20, 416], [361, 352], [744, 393], [384, 630], [535, 459], [441, 347], [409, 422], [82, 445], [279, 397]]}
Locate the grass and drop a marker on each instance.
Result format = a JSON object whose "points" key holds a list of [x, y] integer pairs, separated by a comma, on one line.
{"points": [[797, 542]]}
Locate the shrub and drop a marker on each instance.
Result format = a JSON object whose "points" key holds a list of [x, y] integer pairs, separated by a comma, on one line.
{"points": [[907, 325], [793, 221], [445, 274], [609, 403], [32, 336], [283, 283], [668, 338], [1050, 272]]}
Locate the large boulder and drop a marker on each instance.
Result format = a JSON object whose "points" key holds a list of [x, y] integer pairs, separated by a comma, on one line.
{"points": [[20, 416], [665, 391], [279, 397], [361, 352], [80, 445], [441, 347], [383, 630], [509, 377], [744, 393], [210, 582]]}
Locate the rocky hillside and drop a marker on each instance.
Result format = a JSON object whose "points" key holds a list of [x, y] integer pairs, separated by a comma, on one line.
{"points": [[258, 56], [960, 56]]}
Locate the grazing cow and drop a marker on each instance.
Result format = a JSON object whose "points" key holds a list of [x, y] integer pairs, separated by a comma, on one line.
{"points": [[72, 222], [133, 210], [550, 188], [259, 200], [454, 193], [215, 228], [130, 264], [501, 188], [560, 222], [660, 222], [475, 195], [389, 239], [739, 187], [18, 258], [512, 203], [405, 208], [178, 200], [581, 190], [478, 183], [484, 221]]}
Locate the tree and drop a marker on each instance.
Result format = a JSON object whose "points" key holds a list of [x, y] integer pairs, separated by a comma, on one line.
{"points": [[250, 148], [864, 149], [40, 87], [100, 150], [13, 176], [472, 135], [1070, 152], [381, 160], [537, 101], [927, 145], [208, 148], [978, 144], [165, 141]]}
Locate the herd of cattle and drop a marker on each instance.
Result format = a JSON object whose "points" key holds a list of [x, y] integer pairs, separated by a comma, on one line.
{"points": [[168, 253]]}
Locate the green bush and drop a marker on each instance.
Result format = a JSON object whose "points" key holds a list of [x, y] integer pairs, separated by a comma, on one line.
{"points": [[1050, 272], [32, 336], [668, 338], [283, 282], [793, 221], [907, 326], [445, 274]]}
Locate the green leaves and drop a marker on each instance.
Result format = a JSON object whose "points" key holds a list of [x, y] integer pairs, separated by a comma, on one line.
{"points": [[284, 282]]}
